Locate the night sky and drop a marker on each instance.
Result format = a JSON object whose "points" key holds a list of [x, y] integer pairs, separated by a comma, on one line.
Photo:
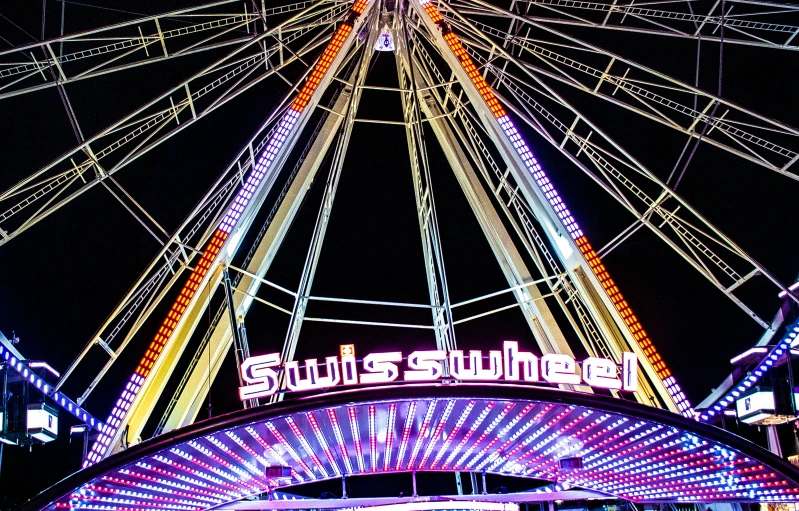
{"points": [[61, 278]]}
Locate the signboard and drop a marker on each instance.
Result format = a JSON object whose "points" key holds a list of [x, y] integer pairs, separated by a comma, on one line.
{"points": [[509, 364]]}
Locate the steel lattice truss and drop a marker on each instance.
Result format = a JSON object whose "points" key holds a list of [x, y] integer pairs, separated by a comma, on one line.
{"points": [[471, 72]]}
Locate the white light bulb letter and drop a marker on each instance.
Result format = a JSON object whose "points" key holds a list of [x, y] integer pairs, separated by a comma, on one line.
{"points": [[425, 365], [601, 373], [260, 377], [512, 357], [557, 368], [475, 371], [629, 372], [380, 367], [312, 379]]}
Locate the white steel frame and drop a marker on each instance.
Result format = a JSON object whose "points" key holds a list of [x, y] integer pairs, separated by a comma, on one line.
{"points": [[527, 65]]}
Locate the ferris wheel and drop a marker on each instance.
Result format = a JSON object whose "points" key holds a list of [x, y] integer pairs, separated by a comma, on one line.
{"points": [[484, 87]]}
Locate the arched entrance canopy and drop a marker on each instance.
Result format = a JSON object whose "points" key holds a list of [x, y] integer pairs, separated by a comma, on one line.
{"points": [[626, 450]]}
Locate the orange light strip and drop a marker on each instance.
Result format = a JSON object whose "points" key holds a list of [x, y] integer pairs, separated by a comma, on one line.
{"points": [[179, 307], [468, 65], [431, 11], [209, 256], [554, 199], [637, 331], [359, 6], [321, 67]]}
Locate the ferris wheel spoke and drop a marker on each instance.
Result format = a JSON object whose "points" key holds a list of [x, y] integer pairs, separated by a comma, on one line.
{"points": [[656, 96], [139, 42], [688, 233], [759, 25], [104, 154], [518, 215], [175, 255], [645, 193]]}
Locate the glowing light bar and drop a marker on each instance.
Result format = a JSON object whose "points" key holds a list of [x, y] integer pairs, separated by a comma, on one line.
{"points": [[322, 66], [340, 439], [232, 215], [22, 367], [321, 439], [280, 438], [423, 432], [472, 429], [372, 439], [766, 363], [452, 434], [306, 446], [406, 434], [392, 419], [242, 474], [437, 433], [560, 209], [268, 449], [356, 437], [502, 432]]}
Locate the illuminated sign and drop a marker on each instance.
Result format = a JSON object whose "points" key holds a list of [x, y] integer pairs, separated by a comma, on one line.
{"points": [[509, 364]]}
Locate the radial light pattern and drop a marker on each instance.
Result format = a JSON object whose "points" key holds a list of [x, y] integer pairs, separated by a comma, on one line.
{"points": [[632, 453]]}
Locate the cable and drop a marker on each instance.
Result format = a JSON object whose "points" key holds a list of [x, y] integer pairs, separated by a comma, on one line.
{"points": [[208, 308]]}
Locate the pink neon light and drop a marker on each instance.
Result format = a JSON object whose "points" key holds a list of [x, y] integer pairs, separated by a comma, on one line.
{"points": [[372, 439], [452, 434], [280, 438], [166, 482], [170, 491], [195, 482], [493, 424], [340, 439], [356, 436], [216, 470], [272, 452], [420, 437], [500, 434], [321, 439], [297, 433], [392, 418], [476, 424], [437, 433], [406, 434], [242, 474], [516, 435]]}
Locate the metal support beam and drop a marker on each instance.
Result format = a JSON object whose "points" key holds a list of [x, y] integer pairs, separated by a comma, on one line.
{"points": [[603, 310], [422, 185], [187, 402]]}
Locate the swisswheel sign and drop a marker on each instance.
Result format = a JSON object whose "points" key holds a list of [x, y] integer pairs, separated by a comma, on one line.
{"points": [[261, 372]]}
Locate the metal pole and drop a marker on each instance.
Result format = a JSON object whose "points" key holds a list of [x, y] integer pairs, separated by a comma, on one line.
{"points": [[413, 477], [234, 322], [473, 477], [85, 444], [459, 483], [240, 347], [484, 483], [343, 486]]}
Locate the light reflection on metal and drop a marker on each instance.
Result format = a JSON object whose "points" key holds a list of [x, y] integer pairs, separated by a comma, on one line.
{"points": [[559, 207], [623, 455]]}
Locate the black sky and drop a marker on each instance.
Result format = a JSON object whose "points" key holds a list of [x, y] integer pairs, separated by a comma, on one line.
{"points": [[61, 278]]}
